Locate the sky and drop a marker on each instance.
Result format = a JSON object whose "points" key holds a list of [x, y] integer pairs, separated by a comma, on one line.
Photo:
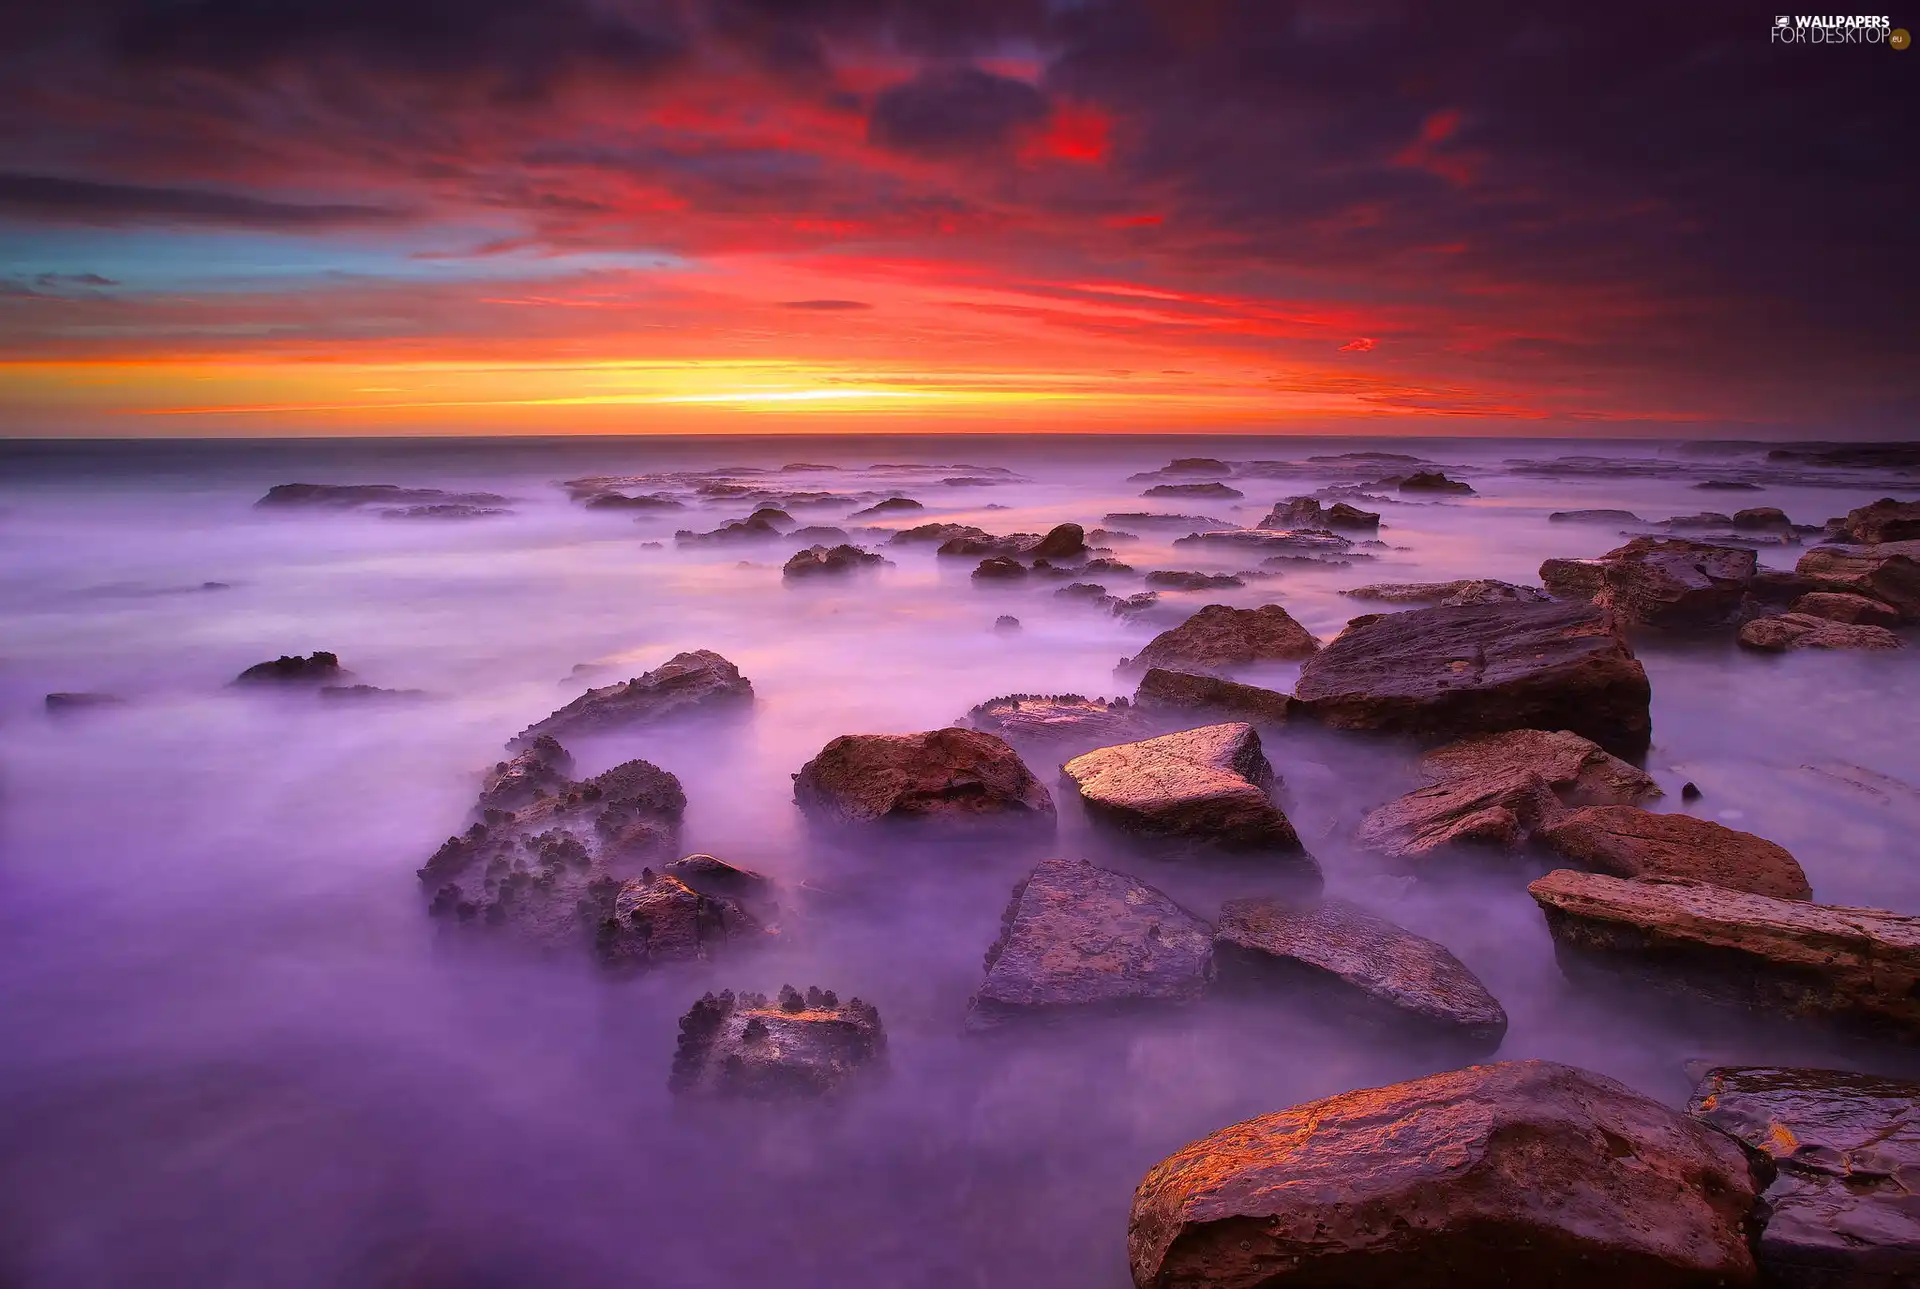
{"points": [[264, 217]]}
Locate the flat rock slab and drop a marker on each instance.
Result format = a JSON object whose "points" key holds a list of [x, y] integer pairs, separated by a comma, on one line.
{"points": [[793, 1047], [1496, 810], [1625, 841], [1361, 962], [1219, 638], [1888, 572], [1468, 590], [1448, 672], [949, 774], [1164, 690], [1055, 717], [1675, 583], [1206, 785], [1580, 771], [1885, 520], [1076, 938], [699, 681], [1856, 967], [1844, 1211], [1786, 631], [1522, 1173], [1838, 606]]}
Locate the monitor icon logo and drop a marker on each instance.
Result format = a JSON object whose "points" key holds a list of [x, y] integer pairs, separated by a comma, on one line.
{"points": [[1780, 20]]}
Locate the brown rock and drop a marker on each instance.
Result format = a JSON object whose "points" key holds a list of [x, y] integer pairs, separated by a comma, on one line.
{"points": [[1889, 572], [1625, 841], [1219, 637], [1498, 810], [1886, 520], [1470, 590], [688, 683], [1670, 582], [659, 918], [1362, 964], [1206, 785], [825, 561], [1573, 579], [1448, 672], [950, 774], [1307, 512], [1180, 580], [1838, 606], [1804, 631], [1522, 1173], [1433, 481], [541, 770], [1066, 541], [1162, 690], [1072, 717], [1580, 772], [1079, 939], [1775, 586], [1855, 966], [1761, 519], [999, 568], [793, 1047]]}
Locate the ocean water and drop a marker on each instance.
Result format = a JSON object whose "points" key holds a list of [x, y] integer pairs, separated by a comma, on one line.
{"points": [[235, 1051]]}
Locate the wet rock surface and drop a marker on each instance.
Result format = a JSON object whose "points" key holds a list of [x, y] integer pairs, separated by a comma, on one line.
{"points": [[950, 775], [1843, 1211], [794, 1046], [1495, 810], [319, 668], [543, 768], [1076, 939], [1594, 517], [687, 684], [1448, 672], [1057, 717], [1433, 481], [1219, 638], [65, 702], [1064, 541], [1660, 582], [1206, 787], [1580, 771], [1309, 512], [351, 496], [825, 561], [1785, 631], [1626, 841], [1467, 590], [1164, 690], [1357, 963], [1177, 580], [1218, 491], [1518, 1173], [1888, 572], [1838, 606], [1859, 968], [1885, 520]]}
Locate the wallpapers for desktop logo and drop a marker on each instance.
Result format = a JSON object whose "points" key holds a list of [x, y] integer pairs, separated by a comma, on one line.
{"points": [[1838, 29]]}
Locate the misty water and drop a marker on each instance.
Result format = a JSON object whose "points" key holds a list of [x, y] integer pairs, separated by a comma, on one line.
{"points": [[236, 1051]]}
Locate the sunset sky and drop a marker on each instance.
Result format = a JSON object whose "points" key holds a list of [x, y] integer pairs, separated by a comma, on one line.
{"points": [[439, 216]]}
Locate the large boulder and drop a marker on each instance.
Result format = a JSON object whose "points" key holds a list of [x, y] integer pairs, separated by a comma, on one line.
{"points": [[829, 561], [1886, 520], [1206, 786], [1626, 841], [1064, 541], [1339, 953], [1580, 771], [1307, 512], [1661, 581], [1859, 967], [1843, 1211], [1163, 690], [1433, 481], [1762, 519], [792, 1047], [686, 684], [1077, 939], [1522, 1173], [1219, 638], [659, 918], [1215, 491], [1784, 631], [949, 774], [542, 769], [1055, 717], [1888, 572], [1497, 810], [1450, 671], [319, 668], [1838, 606]]}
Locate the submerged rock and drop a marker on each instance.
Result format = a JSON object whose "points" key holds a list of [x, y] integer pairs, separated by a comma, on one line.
{"points": [[1219, 491], [754, 529], [793, 1047], [1361, 963], [1785, 631], [891, 506], [1064, 541], [1594, 517], [1521, 1173], [1886, 520], [1858, 967], [1006, 624], [658, 918], [1888, 572], [1206, 786], [1307, 512], [1220, 637], [63, 703], [1077, 939], [999, 569], [348, 496], [1448, 672], [1625, 841], [687, 683], [1761, 519], [1433, 481], [949, 774], [1174, 580], [1145, 519], [935, 534], [319, 668], [542, 769], [822, 561], [1843, 1211], [1055, 716], [1468, 590], [642, 501], [1177, 690]]}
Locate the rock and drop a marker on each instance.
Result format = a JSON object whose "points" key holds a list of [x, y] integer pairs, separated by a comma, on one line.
{"points": [[1165, 690], [1064, 541], [1204, 786], [1204, 466], [1886, 520], [1520, 1173], [1131, 606], [1217, 491], [891, 506], [1362, 963], [1672, 583], [1220, 637], [819, 535], [1888, 572], [949, 774], [1839, 606], [1761, 519], [1573, 579], [1579, 771], [1433, 481], [1006, 624], [1804, 631], [444, 510], [1594, 517], [291, 669], [1448, 672], [1625, 841], [1307, 512], [1106, 568], [1081, 591], [1055, 716], [721, 880], [1497, 810], [1860, 967], [1705, 519], [1774, 586], [1076, 939], [1726, 485], [935, 534], [1690, 791], [822, 561], [368, 694], [338, 496], [644, 501], [1142, 519], [544, 768], [64, 703], [1488, 591], [999, 569], [795, 1046], [658, 918], [1318, 543], [1841, 1212], [741, 530], [1171, 580], [1006, 547], [1871, 456], [1464, 591], [1108, 536], [686, 684]]}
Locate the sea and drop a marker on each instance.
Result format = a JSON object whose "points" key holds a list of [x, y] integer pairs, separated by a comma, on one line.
{"points": [[235, 1050]]}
